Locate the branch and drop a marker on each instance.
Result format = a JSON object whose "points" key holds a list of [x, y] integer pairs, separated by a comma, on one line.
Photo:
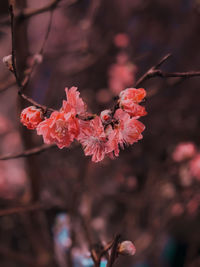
{"points": [[37, 58], [11, 211], [20, 257], [155, 71], [20, 86], [114, 253], [29, 152], [29, 12]]}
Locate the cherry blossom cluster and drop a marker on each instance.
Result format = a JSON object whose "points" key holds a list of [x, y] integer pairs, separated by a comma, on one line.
{"points": [[100, 136]]}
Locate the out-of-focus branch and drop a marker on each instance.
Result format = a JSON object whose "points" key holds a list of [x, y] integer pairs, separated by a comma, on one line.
{"points": [[29, 12], [28, 152], [155, 71], [16, 256], [114, 253], [10, 211], [20, 86], [37, 58]]}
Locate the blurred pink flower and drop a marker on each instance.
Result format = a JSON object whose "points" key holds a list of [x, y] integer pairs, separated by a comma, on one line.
{"points": [[5, 124], [192, 206], [61, 128], [121, 40], [129, 99], [121, 76], [194, 166], [184, 151], [31, 117], [177, 209], [93, 138]]}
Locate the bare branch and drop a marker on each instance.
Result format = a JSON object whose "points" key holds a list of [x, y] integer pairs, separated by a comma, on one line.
{"points": [[114, 253], [17, 256], [30, 100], [11, 211], [156, 72], [29, 12], [29, 152]]}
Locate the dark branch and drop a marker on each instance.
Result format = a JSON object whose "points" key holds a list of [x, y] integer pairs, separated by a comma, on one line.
{"points": [[20, 86], [29, 152], [28, 13], [11, 211], [156, 72], [114, 253]]}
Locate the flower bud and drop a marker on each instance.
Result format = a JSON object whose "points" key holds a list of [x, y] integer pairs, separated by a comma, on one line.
{"points": [[38, 58], [127, 248], [7, 60], [106, 116], [31, 117]]}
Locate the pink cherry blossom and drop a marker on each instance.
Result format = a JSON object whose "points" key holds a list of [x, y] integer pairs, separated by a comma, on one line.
{"points": [[61, 128], [133, 94], [31, 117], [194, 166], [129, 128], [129, 99], [126, 132], [184, 151], [93, 139], [74, 102]]}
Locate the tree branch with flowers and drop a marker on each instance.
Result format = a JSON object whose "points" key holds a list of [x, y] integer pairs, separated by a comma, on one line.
{"points": [[101, 135]]}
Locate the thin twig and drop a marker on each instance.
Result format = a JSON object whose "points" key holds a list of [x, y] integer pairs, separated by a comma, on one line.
{"points": [[29, 99], [114, 253], [17, 256], [28, 152], [156, 72], [13, 46], [11, 211], [40, 53], [29, 12]]}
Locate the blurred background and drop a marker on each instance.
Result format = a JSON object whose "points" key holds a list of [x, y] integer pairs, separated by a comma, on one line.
{"points": [[150, 194]]}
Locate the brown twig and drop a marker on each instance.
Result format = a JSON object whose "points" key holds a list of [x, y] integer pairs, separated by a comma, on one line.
{"points": [[155, 71], [114, 253], [29, 99], [29, 12], [29, 152], [11, 211], [16, 256]]}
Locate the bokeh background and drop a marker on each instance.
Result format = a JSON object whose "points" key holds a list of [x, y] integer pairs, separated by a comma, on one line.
{"points": [[102, 47]]}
